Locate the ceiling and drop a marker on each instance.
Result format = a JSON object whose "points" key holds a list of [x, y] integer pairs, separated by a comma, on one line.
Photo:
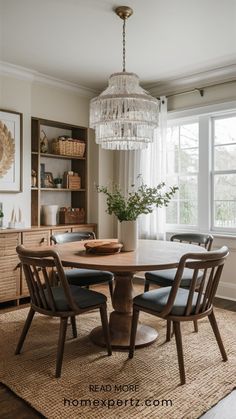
{"points": [[80, 41]]}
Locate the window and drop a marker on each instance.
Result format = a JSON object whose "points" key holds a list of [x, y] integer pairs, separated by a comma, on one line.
{"points": [[182, 170], [224, 172], [201, 161]]}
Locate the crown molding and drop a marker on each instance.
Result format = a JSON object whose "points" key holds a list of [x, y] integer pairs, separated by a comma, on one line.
{"points": [[196, 80], [23, 73], [162, 88]]}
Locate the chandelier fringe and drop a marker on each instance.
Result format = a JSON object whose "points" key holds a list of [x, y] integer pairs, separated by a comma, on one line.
{"points": [[124, 116]]}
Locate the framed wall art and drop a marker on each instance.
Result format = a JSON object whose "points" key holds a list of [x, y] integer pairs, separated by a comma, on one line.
{"points": [[10, 151]]}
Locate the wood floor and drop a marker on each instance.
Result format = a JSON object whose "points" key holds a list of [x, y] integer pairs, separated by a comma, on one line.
{"points": [[12, 407]]}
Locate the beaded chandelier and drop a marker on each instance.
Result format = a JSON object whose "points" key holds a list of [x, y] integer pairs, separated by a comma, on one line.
{"points": [[124, 115]]}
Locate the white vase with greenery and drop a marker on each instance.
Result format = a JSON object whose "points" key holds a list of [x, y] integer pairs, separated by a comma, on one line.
{"points": [[127, 207], [128, 235]]}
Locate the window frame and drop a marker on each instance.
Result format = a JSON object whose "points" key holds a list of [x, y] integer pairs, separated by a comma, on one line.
{"points": [[218, 172], [205, 116], [183, 121]]}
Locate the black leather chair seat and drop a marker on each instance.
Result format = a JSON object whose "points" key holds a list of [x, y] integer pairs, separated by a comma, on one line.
{"points": [[83, 277], [157, 299], [165, 278], [84, 298]]}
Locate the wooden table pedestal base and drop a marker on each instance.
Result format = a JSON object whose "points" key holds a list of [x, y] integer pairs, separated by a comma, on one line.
{"points": [[120, 326]]}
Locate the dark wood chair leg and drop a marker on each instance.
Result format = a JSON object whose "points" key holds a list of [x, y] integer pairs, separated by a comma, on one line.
{"points": [[178, 339], [168, 331], [105, 328], [25, 331], [74, 328], [133, 332], [61, 344], [110, 284], [195, 324], [146, 285], [215, 329]]}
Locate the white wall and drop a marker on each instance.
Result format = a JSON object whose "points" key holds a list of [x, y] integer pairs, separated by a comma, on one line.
{"points": [[59, 105], [16, 96], [33, 99], [227, 286], [106, 175], [101, 173], [212, 95]]}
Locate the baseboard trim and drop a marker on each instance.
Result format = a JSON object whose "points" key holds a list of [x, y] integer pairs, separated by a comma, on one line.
{"points": [[227, 291]]}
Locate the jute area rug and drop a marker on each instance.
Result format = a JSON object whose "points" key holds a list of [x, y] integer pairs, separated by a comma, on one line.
{"points": [[94, 385]]}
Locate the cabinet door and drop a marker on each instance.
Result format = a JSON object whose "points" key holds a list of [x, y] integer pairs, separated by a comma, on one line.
{"points": [[10, 278], [9, 270], [36, 238], [8, 243]]}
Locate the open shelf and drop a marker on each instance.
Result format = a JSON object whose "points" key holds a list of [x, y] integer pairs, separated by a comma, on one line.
{"points": [[54, 166], [59, 156], [61, 190]]}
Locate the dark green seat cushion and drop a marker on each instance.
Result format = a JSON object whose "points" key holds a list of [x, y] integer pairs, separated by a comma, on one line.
{"points": [[83, 277], [84, 298], [156, 300], [166, 277]]}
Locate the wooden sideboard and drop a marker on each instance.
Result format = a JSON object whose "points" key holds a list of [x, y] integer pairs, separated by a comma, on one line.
{"points": [[13, 287]]}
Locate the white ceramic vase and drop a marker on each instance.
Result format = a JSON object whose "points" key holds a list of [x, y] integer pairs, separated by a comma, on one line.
{"points": [[128, 235]]}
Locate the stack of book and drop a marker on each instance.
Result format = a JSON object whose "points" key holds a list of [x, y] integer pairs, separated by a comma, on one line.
{"points": [[71, 180]]}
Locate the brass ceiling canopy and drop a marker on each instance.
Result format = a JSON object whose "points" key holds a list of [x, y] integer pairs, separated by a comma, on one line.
{"points": [[124, 12]]}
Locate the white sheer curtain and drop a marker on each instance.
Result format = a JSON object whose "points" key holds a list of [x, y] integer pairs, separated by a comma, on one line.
{"points": [[150, 164]]}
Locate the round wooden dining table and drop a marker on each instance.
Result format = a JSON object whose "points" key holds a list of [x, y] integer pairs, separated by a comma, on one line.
{"points": [[150, 255]]}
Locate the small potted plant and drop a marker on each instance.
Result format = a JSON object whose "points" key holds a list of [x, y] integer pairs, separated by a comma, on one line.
{"points": [[58, 182], [127, 207]]}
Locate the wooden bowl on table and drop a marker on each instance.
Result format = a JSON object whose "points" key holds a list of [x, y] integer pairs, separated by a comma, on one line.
{"points": [[102, 247]]}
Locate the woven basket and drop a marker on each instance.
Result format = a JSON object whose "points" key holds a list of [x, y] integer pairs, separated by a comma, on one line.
{"points": [[68, 147], [71, 216]]}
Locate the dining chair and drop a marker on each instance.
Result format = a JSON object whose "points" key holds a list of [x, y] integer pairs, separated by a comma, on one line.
{"points": [[178, 304], [63, 301], [83, 277], [165, 278]]}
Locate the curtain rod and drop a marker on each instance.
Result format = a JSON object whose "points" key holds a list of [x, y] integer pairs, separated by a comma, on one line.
{"points": [[200, 90]]}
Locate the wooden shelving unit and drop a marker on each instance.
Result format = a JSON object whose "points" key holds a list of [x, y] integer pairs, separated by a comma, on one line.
{"points": [[57, 163]]}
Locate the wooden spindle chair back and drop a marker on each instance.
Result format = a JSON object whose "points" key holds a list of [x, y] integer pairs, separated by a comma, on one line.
{"points": [[211, 264], [204, 240], [37, 266], [72, 237], [192, 303]]}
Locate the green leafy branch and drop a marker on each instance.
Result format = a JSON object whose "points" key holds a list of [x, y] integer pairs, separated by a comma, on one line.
{"points": [[143, 200]]}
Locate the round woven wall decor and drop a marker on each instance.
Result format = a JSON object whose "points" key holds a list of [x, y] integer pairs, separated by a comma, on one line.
{"points": [[7, 149]]}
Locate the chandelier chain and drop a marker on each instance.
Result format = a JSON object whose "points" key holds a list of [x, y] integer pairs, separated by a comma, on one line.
{"points": [[124, 45]]}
